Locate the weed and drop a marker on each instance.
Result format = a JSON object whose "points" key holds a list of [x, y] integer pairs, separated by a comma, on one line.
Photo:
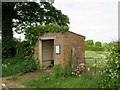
{"points": [[13, 67]]}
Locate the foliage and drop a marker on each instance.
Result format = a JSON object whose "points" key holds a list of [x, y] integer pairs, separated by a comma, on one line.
{"points": [[7, 49], [22, 15], [108, 78], [112, 68], [62, 82], [33, 33], [14, 66], [98, 44], [91, 46], [64, 72], [89, 42], [58, 79], [24, 51]]}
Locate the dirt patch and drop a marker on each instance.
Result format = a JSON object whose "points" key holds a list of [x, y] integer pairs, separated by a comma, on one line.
{"points": [[22, 78]]}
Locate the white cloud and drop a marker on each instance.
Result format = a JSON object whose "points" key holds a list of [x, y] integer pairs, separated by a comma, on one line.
{"points": [[96, 19]]}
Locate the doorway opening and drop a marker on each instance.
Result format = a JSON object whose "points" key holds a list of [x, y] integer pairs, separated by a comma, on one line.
{"points": [[47, 53]]}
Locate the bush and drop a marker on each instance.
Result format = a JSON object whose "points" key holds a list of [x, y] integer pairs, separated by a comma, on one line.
{"points": [[18, 67], [98, 44], [64, 72], [24, 50], [111, 72]]}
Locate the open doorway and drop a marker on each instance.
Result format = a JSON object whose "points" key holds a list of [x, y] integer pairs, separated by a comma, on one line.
{"points": [[47, 53]]}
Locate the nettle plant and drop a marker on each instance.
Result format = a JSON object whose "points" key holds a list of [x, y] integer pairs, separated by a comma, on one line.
{"points": [[112, 68], [33, 33]]}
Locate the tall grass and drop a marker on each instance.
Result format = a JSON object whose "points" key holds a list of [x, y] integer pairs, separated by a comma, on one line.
{"points": [[62, 78], [13, 66]]}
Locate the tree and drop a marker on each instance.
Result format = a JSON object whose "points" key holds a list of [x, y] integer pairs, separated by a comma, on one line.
{"points": [[89, 42], [98, 44], [22, 15]]}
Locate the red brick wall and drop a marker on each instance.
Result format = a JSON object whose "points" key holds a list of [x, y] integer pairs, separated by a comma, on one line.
{"points": [[72, 40], [67, 41]]}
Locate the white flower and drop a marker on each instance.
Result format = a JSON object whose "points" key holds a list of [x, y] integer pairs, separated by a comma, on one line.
{"points": [[88, 69], [77, 71], [4, 65], [82, 64], [3, 84], [110, 70], [73, 73], [94, 65], [77, 67]]}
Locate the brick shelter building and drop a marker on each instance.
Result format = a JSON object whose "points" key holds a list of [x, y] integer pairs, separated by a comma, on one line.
{"points": [[60, 48]]}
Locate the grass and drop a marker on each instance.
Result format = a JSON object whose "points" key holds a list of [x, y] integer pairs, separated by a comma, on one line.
{"points": [[62, 82], [93, 53], [62, 78], [13, 79]]}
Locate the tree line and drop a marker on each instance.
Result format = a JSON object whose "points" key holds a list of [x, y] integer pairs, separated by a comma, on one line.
{"points": [[93, 46]]}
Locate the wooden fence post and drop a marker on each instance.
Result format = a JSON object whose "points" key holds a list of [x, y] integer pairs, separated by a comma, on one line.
{"points": [[74, 58]]}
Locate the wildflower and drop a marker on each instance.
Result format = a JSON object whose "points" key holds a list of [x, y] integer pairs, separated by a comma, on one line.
{"points": [[94, 65], [88, 69], [77, 71], [3, 84], [82, 64], [4, 65], [110, 70], [77, 67], [73, 73]]}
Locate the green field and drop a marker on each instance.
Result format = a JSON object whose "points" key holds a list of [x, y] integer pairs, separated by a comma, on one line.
{"points": [[93, 53], [99, 55]]}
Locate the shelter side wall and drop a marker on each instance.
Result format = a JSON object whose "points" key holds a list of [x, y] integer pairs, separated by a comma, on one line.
{"points": [[72, 40]]}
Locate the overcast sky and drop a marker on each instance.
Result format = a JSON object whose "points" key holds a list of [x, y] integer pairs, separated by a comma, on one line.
{"points": [[95, 19]]}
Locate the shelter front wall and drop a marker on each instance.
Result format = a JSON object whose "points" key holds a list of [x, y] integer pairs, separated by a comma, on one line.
{"points": [[57, 41], [58, 57]]}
